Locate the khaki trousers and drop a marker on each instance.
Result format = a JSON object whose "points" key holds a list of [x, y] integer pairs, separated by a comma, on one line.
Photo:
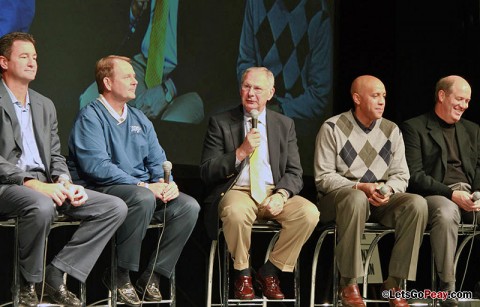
{"points": [[238, 211], [350, 209]]}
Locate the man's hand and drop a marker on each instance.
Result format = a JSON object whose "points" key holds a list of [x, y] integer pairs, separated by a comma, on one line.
{"points": [[464, 200], [374, 196], [58, 192], [138, 6], [251, 141], [272, 205], [76, 194], [164, 191]]}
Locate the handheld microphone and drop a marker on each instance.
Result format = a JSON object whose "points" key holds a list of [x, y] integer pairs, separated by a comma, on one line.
{"points": [[384, 190], [254, 114], [476, 196], [167, 169]]}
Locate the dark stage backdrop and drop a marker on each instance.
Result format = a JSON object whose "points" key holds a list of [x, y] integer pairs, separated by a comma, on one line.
{"points": [[408, 44]]}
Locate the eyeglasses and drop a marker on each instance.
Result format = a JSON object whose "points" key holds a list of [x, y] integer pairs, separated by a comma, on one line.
{"points": [[256, 90]]}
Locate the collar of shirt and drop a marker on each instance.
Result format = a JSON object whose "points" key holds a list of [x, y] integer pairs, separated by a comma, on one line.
{"points": [[262, 117], [15, 100], [365, 129], [119, 118]]}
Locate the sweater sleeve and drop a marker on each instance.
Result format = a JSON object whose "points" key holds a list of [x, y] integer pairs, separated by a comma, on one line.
{"points": [[327, 179], [398, 173]]}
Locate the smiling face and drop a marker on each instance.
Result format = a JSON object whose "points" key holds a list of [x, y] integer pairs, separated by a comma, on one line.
{"points": [[368, 94], [256, 89], [452, 102], [21, 65]]}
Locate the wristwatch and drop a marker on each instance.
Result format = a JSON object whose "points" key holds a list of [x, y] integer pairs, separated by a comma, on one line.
{"points": [[142, 184], [284, 193]]}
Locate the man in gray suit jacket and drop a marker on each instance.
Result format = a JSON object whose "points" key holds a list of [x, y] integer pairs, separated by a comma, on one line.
{"points": [[443, 156], [35, 182], [226, 163]]}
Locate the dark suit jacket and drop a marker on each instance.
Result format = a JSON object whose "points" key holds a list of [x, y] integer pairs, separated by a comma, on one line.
{"points": [[426, 154], [217, 169], [45, 128]]}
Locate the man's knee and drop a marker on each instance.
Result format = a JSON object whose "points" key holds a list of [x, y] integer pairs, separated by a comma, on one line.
{"points": [[43, 210], [352, 202], [310, 213], [190, 207], [442, 211], [237, 214], [417, 205], [118, 207], [143, 199]]}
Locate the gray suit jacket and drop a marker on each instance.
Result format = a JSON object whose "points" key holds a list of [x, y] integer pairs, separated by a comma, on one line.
{"points": [[45, 128], [217, 169], [426, 154]]}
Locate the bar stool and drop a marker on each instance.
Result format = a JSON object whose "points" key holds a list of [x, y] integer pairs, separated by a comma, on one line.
{"points": [[60, 221], [112, 297], [224, 264]]}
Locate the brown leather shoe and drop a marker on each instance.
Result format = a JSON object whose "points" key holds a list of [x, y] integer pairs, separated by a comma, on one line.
{"points": [[270, 286], [350, 296], [395, 302], [244, 288]]}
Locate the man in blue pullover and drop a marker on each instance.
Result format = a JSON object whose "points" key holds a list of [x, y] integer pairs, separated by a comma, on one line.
{"points": [[115, 150]]}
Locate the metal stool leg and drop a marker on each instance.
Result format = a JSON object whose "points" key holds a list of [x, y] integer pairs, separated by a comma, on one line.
{"points": [[226, 273], [316, 255], [16, 268], [211, 262], [113, 272]]}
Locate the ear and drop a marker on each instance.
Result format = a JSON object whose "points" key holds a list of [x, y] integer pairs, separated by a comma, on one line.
{"points": [[441, 95], [270, 95], [3, 62], [107, 83], [356, 99]]}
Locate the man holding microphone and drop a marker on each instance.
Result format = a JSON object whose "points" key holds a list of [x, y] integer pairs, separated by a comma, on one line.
{"points": [[115, 150]]}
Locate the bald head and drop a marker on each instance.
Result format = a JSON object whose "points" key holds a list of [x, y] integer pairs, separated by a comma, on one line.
{"points": [[368, 94], [452, 96], [446, 84], [363, 82]]}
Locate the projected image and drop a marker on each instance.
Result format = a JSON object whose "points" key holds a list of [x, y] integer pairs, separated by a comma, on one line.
{"points": [[16, 15], [156, 93], [187, 57], [294, 40]]}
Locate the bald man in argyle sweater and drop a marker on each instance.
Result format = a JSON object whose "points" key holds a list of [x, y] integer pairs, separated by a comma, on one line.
{"points": [[361, 174]]}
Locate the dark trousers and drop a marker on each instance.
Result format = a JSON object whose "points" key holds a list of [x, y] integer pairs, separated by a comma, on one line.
{"points": [[180, 217], [101, 215]]}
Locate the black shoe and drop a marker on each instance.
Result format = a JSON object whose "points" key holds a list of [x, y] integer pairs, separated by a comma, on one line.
{"points": [[126, 293], [152, 291], [28, 295], [62, 296]]}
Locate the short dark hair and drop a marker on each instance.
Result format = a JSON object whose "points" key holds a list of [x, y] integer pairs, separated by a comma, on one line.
{"points": [[6, 43], [104, 68]]}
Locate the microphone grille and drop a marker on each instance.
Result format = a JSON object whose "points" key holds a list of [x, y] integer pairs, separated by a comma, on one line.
{"points": [[167, 166], [384, 190], [476, 196], [254, 113]]}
